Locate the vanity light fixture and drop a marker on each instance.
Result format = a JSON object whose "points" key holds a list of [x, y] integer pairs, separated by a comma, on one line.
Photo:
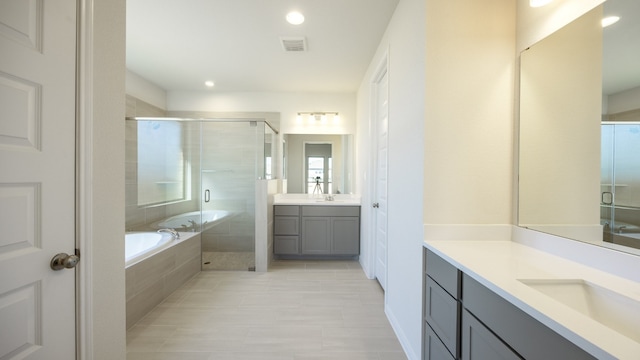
{"points": [[319, 116], [610, 20], [539, 3], [295, 18]]}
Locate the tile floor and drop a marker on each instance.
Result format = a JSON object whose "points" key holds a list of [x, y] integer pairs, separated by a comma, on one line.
{"points": [[299, 310]]}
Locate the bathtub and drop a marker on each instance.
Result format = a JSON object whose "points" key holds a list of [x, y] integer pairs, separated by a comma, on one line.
{"points": [[156, 266], [140, 245], [187, 221]]}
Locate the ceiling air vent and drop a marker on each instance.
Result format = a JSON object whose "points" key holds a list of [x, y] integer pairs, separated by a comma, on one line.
{"points": [[293, 44]]}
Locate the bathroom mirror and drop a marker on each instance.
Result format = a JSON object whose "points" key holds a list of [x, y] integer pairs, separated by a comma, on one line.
{"points": [[326, 156], [569, 83]]}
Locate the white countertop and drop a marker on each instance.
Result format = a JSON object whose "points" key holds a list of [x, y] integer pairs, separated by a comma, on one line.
{"points": [[310, 199], [499, 264]]}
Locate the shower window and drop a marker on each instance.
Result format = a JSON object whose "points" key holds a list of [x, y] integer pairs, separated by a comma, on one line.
{"points": [[161, 162]]}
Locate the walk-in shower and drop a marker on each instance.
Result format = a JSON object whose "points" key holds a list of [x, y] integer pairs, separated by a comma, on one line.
{"points": [[620, 183], [199, 175]]}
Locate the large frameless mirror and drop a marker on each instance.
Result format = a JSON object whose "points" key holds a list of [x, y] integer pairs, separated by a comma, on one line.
{"points": [[579, 173]]}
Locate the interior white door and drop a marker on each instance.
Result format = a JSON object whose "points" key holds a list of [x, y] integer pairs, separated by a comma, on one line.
{"points": [[37, 179], [381, 175]]}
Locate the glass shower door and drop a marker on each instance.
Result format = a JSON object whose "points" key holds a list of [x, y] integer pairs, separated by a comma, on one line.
{"points": [[620, 183], [229, 160]]}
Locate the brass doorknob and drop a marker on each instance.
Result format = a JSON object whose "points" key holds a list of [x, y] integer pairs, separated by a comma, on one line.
{"points": [[64, 261]]}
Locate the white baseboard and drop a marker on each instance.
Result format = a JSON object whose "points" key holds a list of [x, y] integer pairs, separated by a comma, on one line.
{"points": [[402, 338]]}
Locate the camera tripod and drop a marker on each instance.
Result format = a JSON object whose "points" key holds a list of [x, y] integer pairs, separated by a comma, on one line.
{"points": [[318, 188]]}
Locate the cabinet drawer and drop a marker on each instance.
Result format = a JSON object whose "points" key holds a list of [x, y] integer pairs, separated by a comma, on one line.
{"points": [[333, 211], [286, 245], [286, 210], [286, 225], [442, 314], [434, 349], [445, 274]]}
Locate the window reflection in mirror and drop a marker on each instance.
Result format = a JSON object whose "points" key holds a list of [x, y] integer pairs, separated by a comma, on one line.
{"points": [[318, 166]]}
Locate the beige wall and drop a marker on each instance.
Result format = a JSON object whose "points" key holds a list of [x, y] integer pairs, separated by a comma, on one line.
{"points": [[470, 72]]}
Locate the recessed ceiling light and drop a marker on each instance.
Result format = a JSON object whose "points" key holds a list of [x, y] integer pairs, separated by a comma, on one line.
{"points": [[538, 3], [209, 83], [610, 20], [295, 18]]}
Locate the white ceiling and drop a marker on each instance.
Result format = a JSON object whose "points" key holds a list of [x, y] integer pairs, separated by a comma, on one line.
{"points": [[178, 44]]}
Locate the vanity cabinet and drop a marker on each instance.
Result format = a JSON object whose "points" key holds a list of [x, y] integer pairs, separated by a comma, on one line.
{"points": [[321, 230], [441, 308], [486, 326]]}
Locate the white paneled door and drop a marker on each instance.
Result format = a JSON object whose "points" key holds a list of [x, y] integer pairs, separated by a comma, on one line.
{"points": [[380, 176], [37, 178]]}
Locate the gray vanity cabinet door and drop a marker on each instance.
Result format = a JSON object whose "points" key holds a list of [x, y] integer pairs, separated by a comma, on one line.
{"points": [[316, 235], [478, 343], [346, 235]]}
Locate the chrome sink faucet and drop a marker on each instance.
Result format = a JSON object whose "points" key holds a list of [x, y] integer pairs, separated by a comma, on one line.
{"points": [[173, 233]]}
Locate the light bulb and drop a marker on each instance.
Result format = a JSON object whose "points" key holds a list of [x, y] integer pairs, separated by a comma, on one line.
{"points": [[295, 18]]}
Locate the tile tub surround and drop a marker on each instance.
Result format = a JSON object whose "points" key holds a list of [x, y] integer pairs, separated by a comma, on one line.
{"points": [[499, 265], [297, 310], [151, 280], [310, 199]]}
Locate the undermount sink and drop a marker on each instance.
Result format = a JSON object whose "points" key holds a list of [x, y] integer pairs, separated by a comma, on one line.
{"points": [[613, 310]]}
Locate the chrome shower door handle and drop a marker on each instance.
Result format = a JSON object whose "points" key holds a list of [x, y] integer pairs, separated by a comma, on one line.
{"points": [[607, 198], [207, 196]]}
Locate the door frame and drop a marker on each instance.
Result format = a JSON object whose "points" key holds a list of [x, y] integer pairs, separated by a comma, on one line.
{"points": [[84, 184], [381, 70]]}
